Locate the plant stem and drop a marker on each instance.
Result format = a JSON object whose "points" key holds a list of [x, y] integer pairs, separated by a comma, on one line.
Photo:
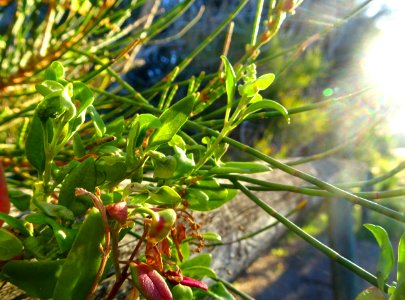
{"points": [[309, 178], [233, 289], [332, 254], [256, 23]]}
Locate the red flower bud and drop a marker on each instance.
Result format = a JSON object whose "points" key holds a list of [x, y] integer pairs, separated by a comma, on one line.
{"points": [[149, 282], [4, 199], [187, 281], [118, 211]]}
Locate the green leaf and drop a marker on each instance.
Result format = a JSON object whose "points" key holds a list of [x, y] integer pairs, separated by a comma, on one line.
{"points": [[230, 83], [63, 236], [83, 97], [48, 86], [202, 260], [83, 94], [146, 122], [172, 120], [57, 211], [163, 195], [111, 170], [78, 147], [371, 293], [401, 260], [84, 176], [219, 291], [10, 245], [15, 223], [20, 199], [399, 293], [264, 81], [36, 278], [178, 141], [34, 145], [386, 259], [184, 163], [83, 260], [217, 196], [197, 199], [198, 272], [164, 165], [55, 71], [267, 104], [97, 121], [211, 236], [239, 167]]}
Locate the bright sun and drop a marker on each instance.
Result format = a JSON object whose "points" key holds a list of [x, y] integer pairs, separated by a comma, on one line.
{"points": [[384, 66]]}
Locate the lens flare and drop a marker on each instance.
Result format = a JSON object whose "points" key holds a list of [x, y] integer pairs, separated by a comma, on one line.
{"points": [[384, 65]]}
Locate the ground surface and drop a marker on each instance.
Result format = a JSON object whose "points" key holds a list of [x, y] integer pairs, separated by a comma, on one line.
{"points": [[296, 271]]}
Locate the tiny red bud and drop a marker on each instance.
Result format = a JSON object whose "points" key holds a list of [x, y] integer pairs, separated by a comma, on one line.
{"points": [[118, 211], [191, 282]]}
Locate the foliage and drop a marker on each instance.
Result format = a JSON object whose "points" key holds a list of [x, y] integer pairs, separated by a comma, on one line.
{"points": [[105, 161]]}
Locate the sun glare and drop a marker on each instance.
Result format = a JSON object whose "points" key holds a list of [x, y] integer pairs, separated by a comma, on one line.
{"points": [[384, 65]]}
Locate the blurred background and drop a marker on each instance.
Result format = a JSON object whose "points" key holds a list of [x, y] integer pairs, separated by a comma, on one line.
{"points": [[348, 50]]}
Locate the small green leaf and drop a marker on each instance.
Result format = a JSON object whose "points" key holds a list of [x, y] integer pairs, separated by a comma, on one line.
{"points": [[267, 104], [220, 292], [386, 259], [399, 292], [146, 121], [198, 272], [211, 236], [240, 167], [15, 223], [371, 293], [98, 122], [55, 71], [172, 120], [111, 170], [217, 196], [83, 97], [83, 94], [184, 163], [264, 81], [230, 84], [20, 199], [84, 176], [198, 200], [63, 236], [10, 245], [178, 141], [57, 211], [164, 165], [34, 145], [48, 86], [202, 260], [78, 147], [163, 195]]}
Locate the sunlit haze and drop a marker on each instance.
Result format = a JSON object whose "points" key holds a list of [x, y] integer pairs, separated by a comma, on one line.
{"points": [[384, 64]]}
